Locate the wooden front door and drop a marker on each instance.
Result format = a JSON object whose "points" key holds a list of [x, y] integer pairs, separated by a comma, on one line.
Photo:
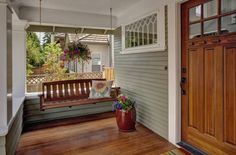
{"points": [[209, 75]]}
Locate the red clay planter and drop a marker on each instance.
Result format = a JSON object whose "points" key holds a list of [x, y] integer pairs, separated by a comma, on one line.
{"points": [[126, 119]]}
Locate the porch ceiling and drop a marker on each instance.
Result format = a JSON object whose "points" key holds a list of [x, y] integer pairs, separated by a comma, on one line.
{"points": [[74, 13], [88, 6]]}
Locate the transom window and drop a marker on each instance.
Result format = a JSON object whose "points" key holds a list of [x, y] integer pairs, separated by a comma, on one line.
{"points": [[145, 34], [141, 32], [214, 17]]}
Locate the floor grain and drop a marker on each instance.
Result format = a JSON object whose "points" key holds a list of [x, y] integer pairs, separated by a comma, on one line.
{"points": [[98, 137]]}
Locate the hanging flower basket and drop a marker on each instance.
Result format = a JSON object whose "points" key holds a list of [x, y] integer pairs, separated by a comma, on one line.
{"points": [[76, 51]]}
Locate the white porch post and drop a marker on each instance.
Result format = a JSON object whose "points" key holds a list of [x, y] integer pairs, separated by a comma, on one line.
{"points": [[19, 61], [5, 67], [174, 75]]}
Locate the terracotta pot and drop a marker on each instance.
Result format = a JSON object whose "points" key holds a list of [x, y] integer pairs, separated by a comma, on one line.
{"points": [[126, 119]]}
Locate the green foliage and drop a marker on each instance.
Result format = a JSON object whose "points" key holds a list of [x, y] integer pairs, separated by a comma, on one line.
{"points": [[46, 39], [52, 60], [77, 50], [29, 68], [34, 56], [123, 102]]}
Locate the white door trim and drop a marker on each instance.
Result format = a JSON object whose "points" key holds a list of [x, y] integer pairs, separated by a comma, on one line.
{"points": [[174, 71]]}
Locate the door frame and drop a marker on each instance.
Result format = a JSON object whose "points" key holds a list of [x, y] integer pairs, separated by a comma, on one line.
{"points": [[174, 70], [217, 140]]}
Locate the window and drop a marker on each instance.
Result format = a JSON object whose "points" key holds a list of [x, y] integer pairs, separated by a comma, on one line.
{"points": [[146, 34], [215, 17], [142, 32], [96, 62]]}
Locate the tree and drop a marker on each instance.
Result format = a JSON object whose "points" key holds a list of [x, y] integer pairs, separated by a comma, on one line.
{"points": [[34, 56], [46, 39], [52, 61]]}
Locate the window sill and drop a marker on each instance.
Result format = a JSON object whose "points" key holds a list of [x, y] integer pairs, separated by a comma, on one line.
{"points": [[143, 49]]}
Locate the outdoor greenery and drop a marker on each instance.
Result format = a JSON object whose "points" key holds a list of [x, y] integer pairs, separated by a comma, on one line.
{"points": [[50, 56], [46, 39], [52, 64], [34, 51], [34, 55], [123, 103]]}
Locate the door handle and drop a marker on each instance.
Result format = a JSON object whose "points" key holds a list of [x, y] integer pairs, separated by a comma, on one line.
{"points": [[182, 82]]}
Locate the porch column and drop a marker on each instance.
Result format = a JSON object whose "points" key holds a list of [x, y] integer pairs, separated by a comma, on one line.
{"points": [[174, 72], [19, 62], [5, 67]]}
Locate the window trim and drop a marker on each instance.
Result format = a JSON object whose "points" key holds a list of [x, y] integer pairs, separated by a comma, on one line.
{"points": [[159, 46]]}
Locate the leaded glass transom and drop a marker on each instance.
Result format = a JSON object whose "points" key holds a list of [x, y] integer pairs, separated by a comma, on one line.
{"points": [[141, 32]]}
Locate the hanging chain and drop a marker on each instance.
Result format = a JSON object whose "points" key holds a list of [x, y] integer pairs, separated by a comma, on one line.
{"points": [[111, 18], [40, 12], [76, 34]]}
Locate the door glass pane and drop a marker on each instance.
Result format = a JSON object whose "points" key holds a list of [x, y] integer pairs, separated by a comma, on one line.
{"points": [[228, 24], [194, 30], [228, 5], [210, 8], [195, 13], [210, 26]]}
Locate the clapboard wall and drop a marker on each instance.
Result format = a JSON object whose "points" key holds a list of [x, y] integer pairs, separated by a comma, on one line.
{"points": [[14, 132], [144, 77], [9, 142], [32, 113]]}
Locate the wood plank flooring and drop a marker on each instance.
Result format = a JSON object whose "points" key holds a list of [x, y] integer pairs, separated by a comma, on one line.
{"points": [[98, 137]]}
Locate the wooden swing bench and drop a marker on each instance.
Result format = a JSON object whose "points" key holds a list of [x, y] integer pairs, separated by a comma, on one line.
{"points": [[70, 93]]}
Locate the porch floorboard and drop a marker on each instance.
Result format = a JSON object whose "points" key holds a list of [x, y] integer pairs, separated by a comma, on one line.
{"points": [[97, 137]]}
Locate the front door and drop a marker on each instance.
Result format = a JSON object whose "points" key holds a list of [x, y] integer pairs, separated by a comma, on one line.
{"points": [[209, 75]]}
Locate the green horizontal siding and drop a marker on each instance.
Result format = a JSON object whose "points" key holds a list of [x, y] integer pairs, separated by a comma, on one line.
{"points": [[14, 133], [32, 114], [143, 76], [2, 145]]}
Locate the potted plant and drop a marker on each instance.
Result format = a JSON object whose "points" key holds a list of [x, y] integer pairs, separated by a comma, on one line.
{"points": [[125, 113]]}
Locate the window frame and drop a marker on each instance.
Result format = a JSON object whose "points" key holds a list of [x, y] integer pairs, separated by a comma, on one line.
{"points": [[159, 46], [92, 61]]}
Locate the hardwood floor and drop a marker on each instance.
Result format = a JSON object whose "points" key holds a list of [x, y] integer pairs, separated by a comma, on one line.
{"points": [[98, 137]]}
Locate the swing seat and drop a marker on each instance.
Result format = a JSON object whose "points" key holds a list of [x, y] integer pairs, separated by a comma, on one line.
{"points": [[70, 93]]}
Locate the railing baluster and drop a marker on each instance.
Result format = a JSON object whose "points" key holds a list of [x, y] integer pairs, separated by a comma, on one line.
{"points": [[60, 90]]}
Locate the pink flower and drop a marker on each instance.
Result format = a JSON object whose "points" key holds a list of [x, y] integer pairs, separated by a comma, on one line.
{"points": [[123, 98], [62, 57]]}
